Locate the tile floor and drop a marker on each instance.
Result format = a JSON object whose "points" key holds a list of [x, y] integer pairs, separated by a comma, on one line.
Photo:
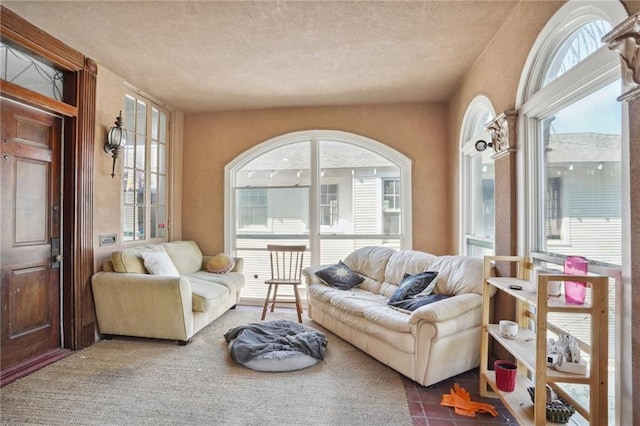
{"points": [[425, 408]]}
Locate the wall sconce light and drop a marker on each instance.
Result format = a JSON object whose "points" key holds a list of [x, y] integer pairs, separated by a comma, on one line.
{"points": [[116, 139], [482, 145], [600, 166]]}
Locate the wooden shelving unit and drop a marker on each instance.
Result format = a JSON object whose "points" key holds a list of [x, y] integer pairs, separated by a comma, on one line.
{"points": [[530, 347]]}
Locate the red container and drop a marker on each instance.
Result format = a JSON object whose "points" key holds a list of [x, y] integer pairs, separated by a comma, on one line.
{"points": [[506, 372], [575, 292]]}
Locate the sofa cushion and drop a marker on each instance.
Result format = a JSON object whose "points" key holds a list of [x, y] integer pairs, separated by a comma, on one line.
{"points": [[186, 255], [221, 263], [407, 262], [205, 294], [370, 261], [411, 285], [159, 263], [130, 260], [387, 317], [340, 276], [355, 301], [234, 281], [458, 275]]}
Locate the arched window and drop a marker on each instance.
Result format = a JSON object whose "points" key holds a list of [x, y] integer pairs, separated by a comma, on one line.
{"points": [[477, 182], [332, 191], [570, 164]]}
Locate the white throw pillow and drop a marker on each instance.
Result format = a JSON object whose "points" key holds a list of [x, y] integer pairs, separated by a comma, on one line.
{"points": [[159, 263]]}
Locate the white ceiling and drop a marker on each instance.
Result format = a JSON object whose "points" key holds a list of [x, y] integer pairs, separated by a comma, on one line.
{"points": [[211, 55]]}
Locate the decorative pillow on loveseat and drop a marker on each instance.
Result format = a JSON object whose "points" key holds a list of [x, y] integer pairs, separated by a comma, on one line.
{"points": [[413, 303], [221, 263], [158, 262], [411, 285], [340, 276]]}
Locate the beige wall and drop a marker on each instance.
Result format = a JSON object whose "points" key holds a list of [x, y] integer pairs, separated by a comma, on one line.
{"points": [[416, 130], [106, 195]]}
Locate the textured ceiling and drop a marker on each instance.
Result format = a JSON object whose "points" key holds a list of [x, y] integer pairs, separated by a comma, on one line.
{"points": [[213, 55]]}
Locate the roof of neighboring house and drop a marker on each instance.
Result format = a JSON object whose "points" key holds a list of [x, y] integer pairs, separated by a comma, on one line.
{"points": [[296, 158], [583, 147]]}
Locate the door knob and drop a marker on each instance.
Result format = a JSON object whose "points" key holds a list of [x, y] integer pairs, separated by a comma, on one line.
{"points": [[59, 258]]}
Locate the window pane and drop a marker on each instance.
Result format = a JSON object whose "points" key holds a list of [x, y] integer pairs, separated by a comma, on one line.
{"points": [[482, 187], [140, 218], [153, 157], [129, 223], [273, 210], [583, 42], [141, 146], [139, 188], [369, 188], [162, 158], [161, 190], [129, 116], [29, 72], [141, 119], [583, 202], [285, 166], [163, 127], [154, 124]]}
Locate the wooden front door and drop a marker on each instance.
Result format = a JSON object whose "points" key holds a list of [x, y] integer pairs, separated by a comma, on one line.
{"points": [[30, 236]]}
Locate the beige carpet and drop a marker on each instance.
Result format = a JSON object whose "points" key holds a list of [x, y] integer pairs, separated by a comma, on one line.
{"points": [[140, 381]]}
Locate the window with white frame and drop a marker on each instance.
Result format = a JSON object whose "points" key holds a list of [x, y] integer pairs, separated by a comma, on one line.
{"points": [[571, 129], [332, 191], [144, 179], [477, 182]]}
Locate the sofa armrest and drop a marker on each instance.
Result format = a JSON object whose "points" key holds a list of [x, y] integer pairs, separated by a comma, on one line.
{"points": [[310, 274], [446, 309], [143, 305]]}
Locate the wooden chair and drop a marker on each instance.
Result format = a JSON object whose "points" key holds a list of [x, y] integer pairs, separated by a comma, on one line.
{"points": [[286, 269]]}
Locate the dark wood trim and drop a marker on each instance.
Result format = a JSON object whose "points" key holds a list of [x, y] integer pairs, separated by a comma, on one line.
{"points": [[83, 253], [22, 33], [78, 109], [27, 367], [13, 91]]}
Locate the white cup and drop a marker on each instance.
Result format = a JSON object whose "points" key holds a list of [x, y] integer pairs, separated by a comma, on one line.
{"points": [[508, 329]]}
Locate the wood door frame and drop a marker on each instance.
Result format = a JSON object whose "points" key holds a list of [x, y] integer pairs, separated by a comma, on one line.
{"points": [[79, 110]]}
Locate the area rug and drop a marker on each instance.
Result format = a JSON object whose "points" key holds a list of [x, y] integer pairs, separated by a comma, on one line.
{"points": [[144, 381]]}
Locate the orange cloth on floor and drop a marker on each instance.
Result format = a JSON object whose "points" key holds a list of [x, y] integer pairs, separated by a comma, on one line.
{"points": [[460, 400]]}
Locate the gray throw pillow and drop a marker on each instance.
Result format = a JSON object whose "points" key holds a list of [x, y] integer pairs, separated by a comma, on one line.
{"points": [[340, 276], [423, 282]]}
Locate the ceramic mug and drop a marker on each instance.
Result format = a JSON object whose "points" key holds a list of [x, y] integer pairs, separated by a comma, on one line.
{"points": [[508, 329]]}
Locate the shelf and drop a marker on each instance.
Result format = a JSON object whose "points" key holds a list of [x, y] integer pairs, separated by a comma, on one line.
{"points": [[529, 294], [533, 298], [517, 402], [523, 348]]}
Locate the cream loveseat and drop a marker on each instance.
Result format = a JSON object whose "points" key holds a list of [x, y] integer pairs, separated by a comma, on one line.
{"points": [[130, 301], [429, 344]]}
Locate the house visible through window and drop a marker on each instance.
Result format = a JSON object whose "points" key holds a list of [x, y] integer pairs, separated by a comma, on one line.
{"points": [[391, 198], [252, 207], [144, 157], [554, 208], [329, 204]]}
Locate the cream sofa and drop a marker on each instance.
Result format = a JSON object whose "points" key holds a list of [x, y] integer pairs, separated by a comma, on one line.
{"points": [[428, 345], [131, 302]]}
